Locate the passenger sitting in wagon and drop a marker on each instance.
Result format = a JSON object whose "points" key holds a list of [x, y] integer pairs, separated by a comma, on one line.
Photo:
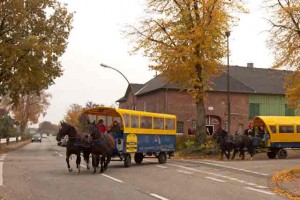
{"points": [[115, 129], [101, 127]]}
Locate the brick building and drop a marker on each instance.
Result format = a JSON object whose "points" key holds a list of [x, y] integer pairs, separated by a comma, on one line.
{"points": [[253, 91]]}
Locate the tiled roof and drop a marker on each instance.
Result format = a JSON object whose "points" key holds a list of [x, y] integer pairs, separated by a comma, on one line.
{"points": [[241, 79], [135, 87], [158, 82]]}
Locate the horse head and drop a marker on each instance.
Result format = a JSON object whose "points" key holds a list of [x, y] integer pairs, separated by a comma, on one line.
{"points": [[220, 136], [66, 129], [93, 131]]}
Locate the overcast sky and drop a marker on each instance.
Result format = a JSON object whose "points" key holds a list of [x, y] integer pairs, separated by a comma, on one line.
{"points": [[97, 38]]}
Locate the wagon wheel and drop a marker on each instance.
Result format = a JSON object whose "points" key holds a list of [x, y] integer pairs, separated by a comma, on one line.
{"points": [[138, 158], [282, 154], [271, 154], [162, 158], [127, 160]]}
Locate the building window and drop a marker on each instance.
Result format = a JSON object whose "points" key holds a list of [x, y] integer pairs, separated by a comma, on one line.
{"points": [[194, 124], [288, 111], [180, 127], [253, 110]]}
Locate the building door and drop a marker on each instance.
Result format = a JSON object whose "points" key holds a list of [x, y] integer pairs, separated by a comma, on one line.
{"points": [[212, 123]]}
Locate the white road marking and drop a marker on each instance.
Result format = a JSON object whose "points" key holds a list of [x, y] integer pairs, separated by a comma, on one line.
{"points": [[185, 172], [160, 166], [112, 178], [261, 191], [214, 174], [263, 187], [213, 161], [215, 179], [158, 197], [82, 165], [1, 170], [228, 167], [58, 154]]}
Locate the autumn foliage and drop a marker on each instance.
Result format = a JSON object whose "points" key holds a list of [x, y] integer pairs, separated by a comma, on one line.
{"points": [[185, 41]]}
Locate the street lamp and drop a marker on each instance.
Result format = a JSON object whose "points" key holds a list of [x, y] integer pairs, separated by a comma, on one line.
{"points": [[133, 97], [227, 33]]}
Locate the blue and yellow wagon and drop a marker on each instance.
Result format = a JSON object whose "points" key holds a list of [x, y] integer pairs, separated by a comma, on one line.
{"points": [[143, 134], [281, 133]]}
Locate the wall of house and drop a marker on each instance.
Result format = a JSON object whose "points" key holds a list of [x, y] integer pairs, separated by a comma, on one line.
{"points": [[181, 104], [269, 104]]}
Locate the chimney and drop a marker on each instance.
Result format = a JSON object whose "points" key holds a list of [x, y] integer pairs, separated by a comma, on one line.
{"points": [[250, 65]]}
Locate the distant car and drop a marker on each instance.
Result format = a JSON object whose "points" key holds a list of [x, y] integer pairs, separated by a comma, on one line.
{"points": [[44, 135], [36, 138]]}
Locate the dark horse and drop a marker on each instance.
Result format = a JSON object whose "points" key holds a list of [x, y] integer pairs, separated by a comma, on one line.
{"points": [[77, 143], [102, 148], [223, 140], [236, 143]]}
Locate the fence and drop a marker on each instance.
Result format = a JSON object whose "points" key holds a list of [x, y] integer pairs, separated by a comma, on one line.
{"points": [[11, 139]]}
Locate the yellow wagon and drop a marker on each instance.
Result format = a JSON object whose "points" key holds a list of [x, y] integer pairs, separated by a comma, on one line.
{"points": [[143, 133], [281, 132]]}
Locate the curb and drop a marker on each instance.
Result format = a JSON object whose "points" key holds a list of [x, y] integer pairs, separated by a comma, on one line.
{"points": [[286, 183]]}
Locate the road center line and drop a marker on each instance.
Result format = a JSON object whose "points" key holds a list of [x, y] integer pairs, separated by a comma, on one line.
{"points": [[185, 172], [228, 167], [261, 191], [60, 155], [82, 165], [215, 179], [158, 197], [112, 178]]}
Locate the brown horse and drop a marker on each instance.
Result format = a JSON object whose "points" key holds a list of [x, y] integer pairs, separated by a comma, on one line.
{"points": [[77, 143], [102, 146]]}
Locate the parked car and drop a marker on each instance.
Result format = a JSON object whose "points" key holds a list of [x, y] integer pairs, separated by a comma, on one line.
{"points": [[44, 135], [36, 138]]}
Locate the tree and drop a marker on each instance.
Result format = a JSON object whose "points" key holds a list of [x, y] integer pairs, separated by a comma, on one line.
{"points": [[185, 40], [7, 126], [33, 35], [285, 42], [29, 108], [73, 116], [48, 127]]}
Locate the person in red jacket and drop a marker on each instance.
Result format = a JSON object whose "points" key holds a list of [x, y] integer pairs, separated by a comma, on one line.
{"points": [[101, 127]]}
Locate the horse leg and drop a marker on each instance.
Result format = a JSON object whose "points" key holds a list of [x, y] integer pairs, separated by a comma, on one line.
{"points": [[102, 162], [108, 158], [222, 154], [234, 152], [68, 162], [242, 152], [78, 161], [94, 162], [86, 156]]}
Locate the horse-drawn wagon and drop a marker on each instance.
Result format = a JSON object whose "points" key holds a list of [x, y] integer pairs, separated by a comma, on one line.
{"points": [[142, 134], [281, 132]]}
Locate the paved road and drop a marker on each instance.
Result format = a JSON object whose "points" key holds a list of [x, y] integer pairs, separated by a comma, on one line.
{"points": [[38, 171]]}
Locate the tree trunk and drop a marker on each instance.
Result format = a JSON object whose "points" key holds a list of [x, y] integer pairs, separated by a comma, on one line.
{"points": [[201, 122]]}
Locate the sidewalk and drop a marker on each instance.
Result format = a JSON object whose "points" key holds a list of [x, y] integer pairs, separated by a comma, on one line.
{"points": [[12, 146]]}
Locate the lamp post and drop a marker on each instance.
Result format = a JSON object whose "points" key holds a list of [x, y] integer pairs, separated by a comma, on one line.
{"points": [[133, 97], [227, 33]]}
